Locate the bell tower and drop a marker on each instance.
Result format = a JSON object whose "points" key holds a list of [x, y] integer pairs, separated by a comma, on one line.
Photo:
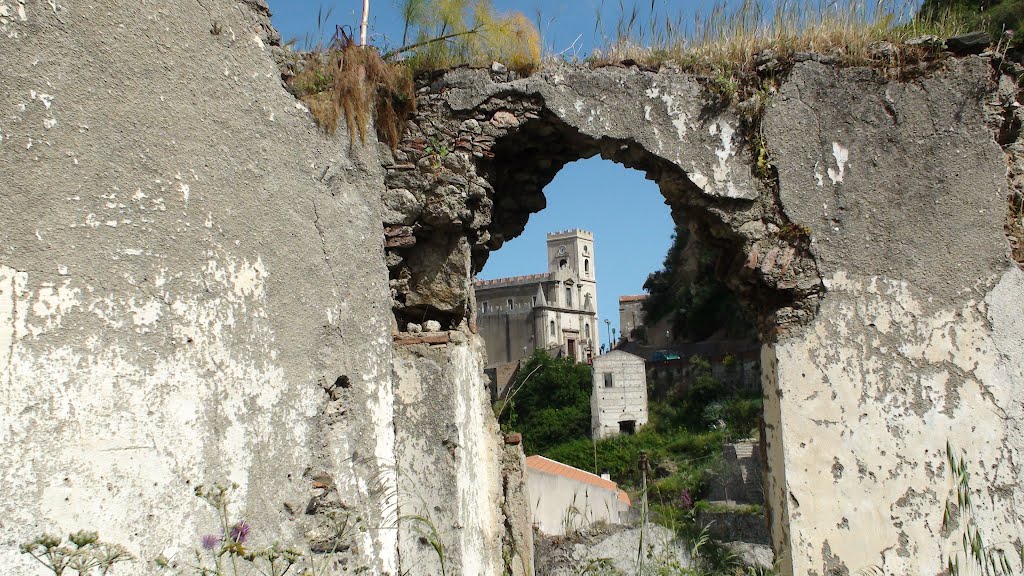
{"points": [[571, 254]]}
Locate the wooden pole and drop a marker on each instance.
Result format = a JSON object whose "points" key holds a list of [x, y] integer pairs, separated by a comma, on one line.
{"points": [[362, 25]]}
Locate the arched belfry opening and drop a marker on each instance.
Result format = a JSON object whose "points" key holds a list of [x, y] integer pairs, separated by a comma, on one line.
{"points": [[480, 150]]}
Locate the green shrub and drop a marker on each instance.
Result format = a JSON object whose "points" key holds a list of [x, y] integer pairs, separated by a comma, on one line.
{"points": [[681, 454], [549, 402], [741, 416]]}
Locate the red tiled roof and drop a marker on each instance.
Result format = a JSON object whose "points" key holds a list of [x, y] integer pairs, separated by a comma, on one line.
{"points": [[636, 298], [542, 464]]}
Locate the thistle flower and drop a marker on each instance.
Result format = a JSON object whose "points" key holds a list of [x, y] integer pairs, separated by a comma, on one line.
{"points": [[239, 532], [210, 541], [686, 499]]}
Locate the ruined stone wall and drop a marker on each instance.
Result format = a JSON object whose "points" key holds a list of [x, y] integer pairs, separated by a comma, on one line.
{"points": [[193, 291], [195, 287], [918, 342], [450, 459]]}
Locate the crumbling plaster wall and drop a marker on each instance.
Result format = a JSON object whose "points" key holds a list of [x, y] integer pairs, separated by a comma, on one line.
{"points": [[919, 340], [450, 459], [192, 288], [872, 251]]}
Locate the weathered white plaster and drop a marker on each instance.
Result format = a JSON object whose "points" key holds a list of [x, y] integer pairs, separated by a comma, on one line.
{"points": [[870, 396], [675, 109], [90, 432], [478, 467], [721, 171], [841, 156], [448, 461]]}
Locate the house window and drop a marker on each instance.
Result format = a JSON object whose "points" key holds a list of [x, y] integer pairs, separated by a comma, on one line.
{"points": [[509, 301], [568, 296], [586, 265], [552, 327], [485, 307], [608, 380]]}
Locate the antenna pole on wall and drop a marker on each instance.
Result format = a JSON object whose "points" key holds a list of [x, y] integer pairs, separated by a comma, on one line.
{"points": [[362, 25]]}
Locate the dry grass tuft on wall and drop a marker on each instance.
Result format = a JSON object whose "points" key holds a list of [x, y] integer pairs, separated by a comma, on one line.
{"points": [[734, 46], [351, 82], [443, 34], [731, 38], [344, 80]]}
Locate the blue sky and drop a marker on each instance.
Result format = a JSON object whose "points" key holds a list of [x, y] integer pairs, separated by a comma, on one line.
{"points": [[560, 21], [632, 226]]}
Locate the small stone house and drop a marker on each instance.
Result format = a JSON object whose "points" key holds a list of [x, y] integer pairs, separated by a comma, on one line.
{"points": [[618, 404]]}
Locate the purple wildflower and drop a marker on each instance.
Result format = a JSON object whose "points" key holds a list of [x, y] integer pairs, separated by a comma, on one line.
{"points": [[210, 541], [686, 499], [239, 532]]}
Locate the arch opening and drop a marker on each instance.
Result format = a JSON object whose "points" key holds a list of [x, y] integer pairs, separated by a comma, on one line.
{"points": [[525, 161]]}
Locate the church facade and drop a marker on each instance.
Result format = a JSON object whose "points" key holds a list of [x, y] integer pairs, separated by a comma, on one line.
{"points": [[555, 310]]}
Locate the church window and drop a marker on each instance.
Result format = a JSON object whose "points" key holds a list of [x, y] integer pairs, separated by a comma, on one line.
{"points": [[534, 300], [568, 296], [562, 264], [587, 303], [586, 331], [552, 327], [586, 250], [586, 264], [608, 380]]}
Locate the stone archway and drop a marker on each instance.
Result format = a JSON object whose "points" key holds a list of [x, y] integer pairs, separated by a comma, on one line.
{"points": [[474, 165], [482, 148]]}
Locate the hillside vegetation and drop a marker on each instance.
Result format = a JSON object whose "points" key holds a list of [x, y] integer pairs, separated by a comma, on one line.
{"points": [[549, 403], [995, 16]]}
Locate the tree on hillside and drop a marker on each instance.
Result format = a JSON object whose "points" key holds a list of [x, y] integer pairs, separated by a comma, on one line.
{"points": [[688, 292], [549, 402]]}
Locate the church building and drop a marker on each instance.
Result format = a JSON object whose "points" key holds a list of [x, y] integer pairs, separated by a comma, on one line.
{"points": [[555, 310]]}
